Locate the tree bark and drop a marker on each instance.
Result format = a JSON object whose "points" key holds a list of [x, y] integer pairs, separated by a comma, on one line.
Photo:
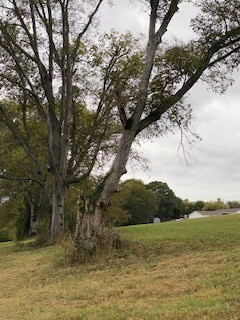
{"points": [[33, 218], [90, 217], [89, 224], [58, 209]]}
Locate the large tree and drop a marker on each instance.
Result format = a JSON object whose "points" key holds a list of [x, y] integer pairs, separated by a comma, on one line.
{"points": [[167, 75], [44, 66], [142, 89]]}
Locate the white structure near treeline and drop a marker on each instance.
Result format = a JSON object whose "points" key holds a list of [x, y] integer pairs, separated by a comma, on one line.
{"points": [[156, 220], [206, 214]]}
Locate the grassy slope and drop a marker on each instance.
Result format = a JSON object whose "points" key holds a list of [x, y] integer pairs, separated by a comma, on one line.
{"points": [[192, 271]]}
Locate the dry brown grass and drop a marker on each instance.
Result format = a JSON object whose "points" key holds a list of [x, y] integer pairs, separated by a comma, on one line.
{"points": [[193, 285]]}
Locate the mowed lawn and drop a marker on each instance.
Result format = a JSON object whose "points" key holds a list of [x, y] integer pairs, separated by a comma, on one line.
{"points": [[174, 271]]}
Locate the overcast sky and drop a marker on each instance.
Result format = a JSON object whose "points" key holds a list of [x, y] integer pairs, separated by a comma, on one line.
{"points": [[213, 170]]}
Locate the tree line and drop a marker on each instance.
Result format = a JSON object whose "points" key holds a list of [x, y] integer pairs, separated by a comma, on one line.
{"points": [[135, 203], [74, 101], [138, 203]]}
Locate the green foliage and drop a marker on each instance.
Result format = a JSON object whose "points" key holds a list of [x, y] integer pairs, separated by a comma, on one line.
{"points": [[4, 213], [215, 205], [71, 208], [169, 206], [23, 165], [5, 235], [189, 207], [116, 215], [140, 202], [20, 219], [233, 204], [134, 204], [199, 205], [182, 59], [5, 221]]}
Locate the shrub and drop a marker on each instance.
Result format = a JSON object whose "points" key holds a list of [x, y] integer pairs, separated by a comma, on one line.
{"points": [[4, 235]]}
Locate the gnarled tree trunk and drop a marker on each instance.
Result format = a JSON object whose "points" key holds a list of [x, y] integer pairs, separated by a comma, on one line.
{"points": [[90, 218]]}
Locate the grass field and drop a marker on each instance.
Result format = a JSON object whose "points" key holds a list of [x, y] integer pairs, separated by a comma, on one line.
{"points": [[175, 271]]}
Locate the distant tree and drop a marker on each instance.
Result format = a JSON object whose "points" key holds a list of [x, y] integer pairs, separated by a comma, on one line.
{"points": [[116, 215], [179, 209], [198, 205], [169, 206], [215, 205], [134, 204], [190, 206], [233, 204]]}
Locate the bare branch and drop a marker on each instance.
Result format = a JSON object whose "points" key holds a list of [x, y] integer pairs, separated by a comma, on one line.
{"points": [[85, 29], [168, 17]]}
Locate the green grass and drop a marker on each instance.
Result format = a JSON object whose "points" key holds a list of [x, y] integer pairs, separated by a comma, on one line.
{"points": [[190, 234], [179, 270]]}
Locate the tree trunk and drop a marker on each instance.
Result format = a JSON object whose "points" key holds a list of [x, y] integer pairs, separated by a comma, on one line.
{"points": [[33, 218], [90, 218], [58, 208], [89, 223]]}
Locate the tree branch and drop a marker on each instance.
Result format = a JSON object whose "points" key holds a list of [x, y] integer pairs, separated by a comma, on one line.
{"points": [[121, 110], [81, 34], [167, 18], [222, 43], [48, 23], [6, 177], [20, 139]]}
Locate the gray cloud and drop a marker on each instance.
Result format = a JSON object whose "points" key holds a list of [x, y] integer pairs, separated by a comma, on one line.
{"points": [[124, 16], [213, 171]]}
